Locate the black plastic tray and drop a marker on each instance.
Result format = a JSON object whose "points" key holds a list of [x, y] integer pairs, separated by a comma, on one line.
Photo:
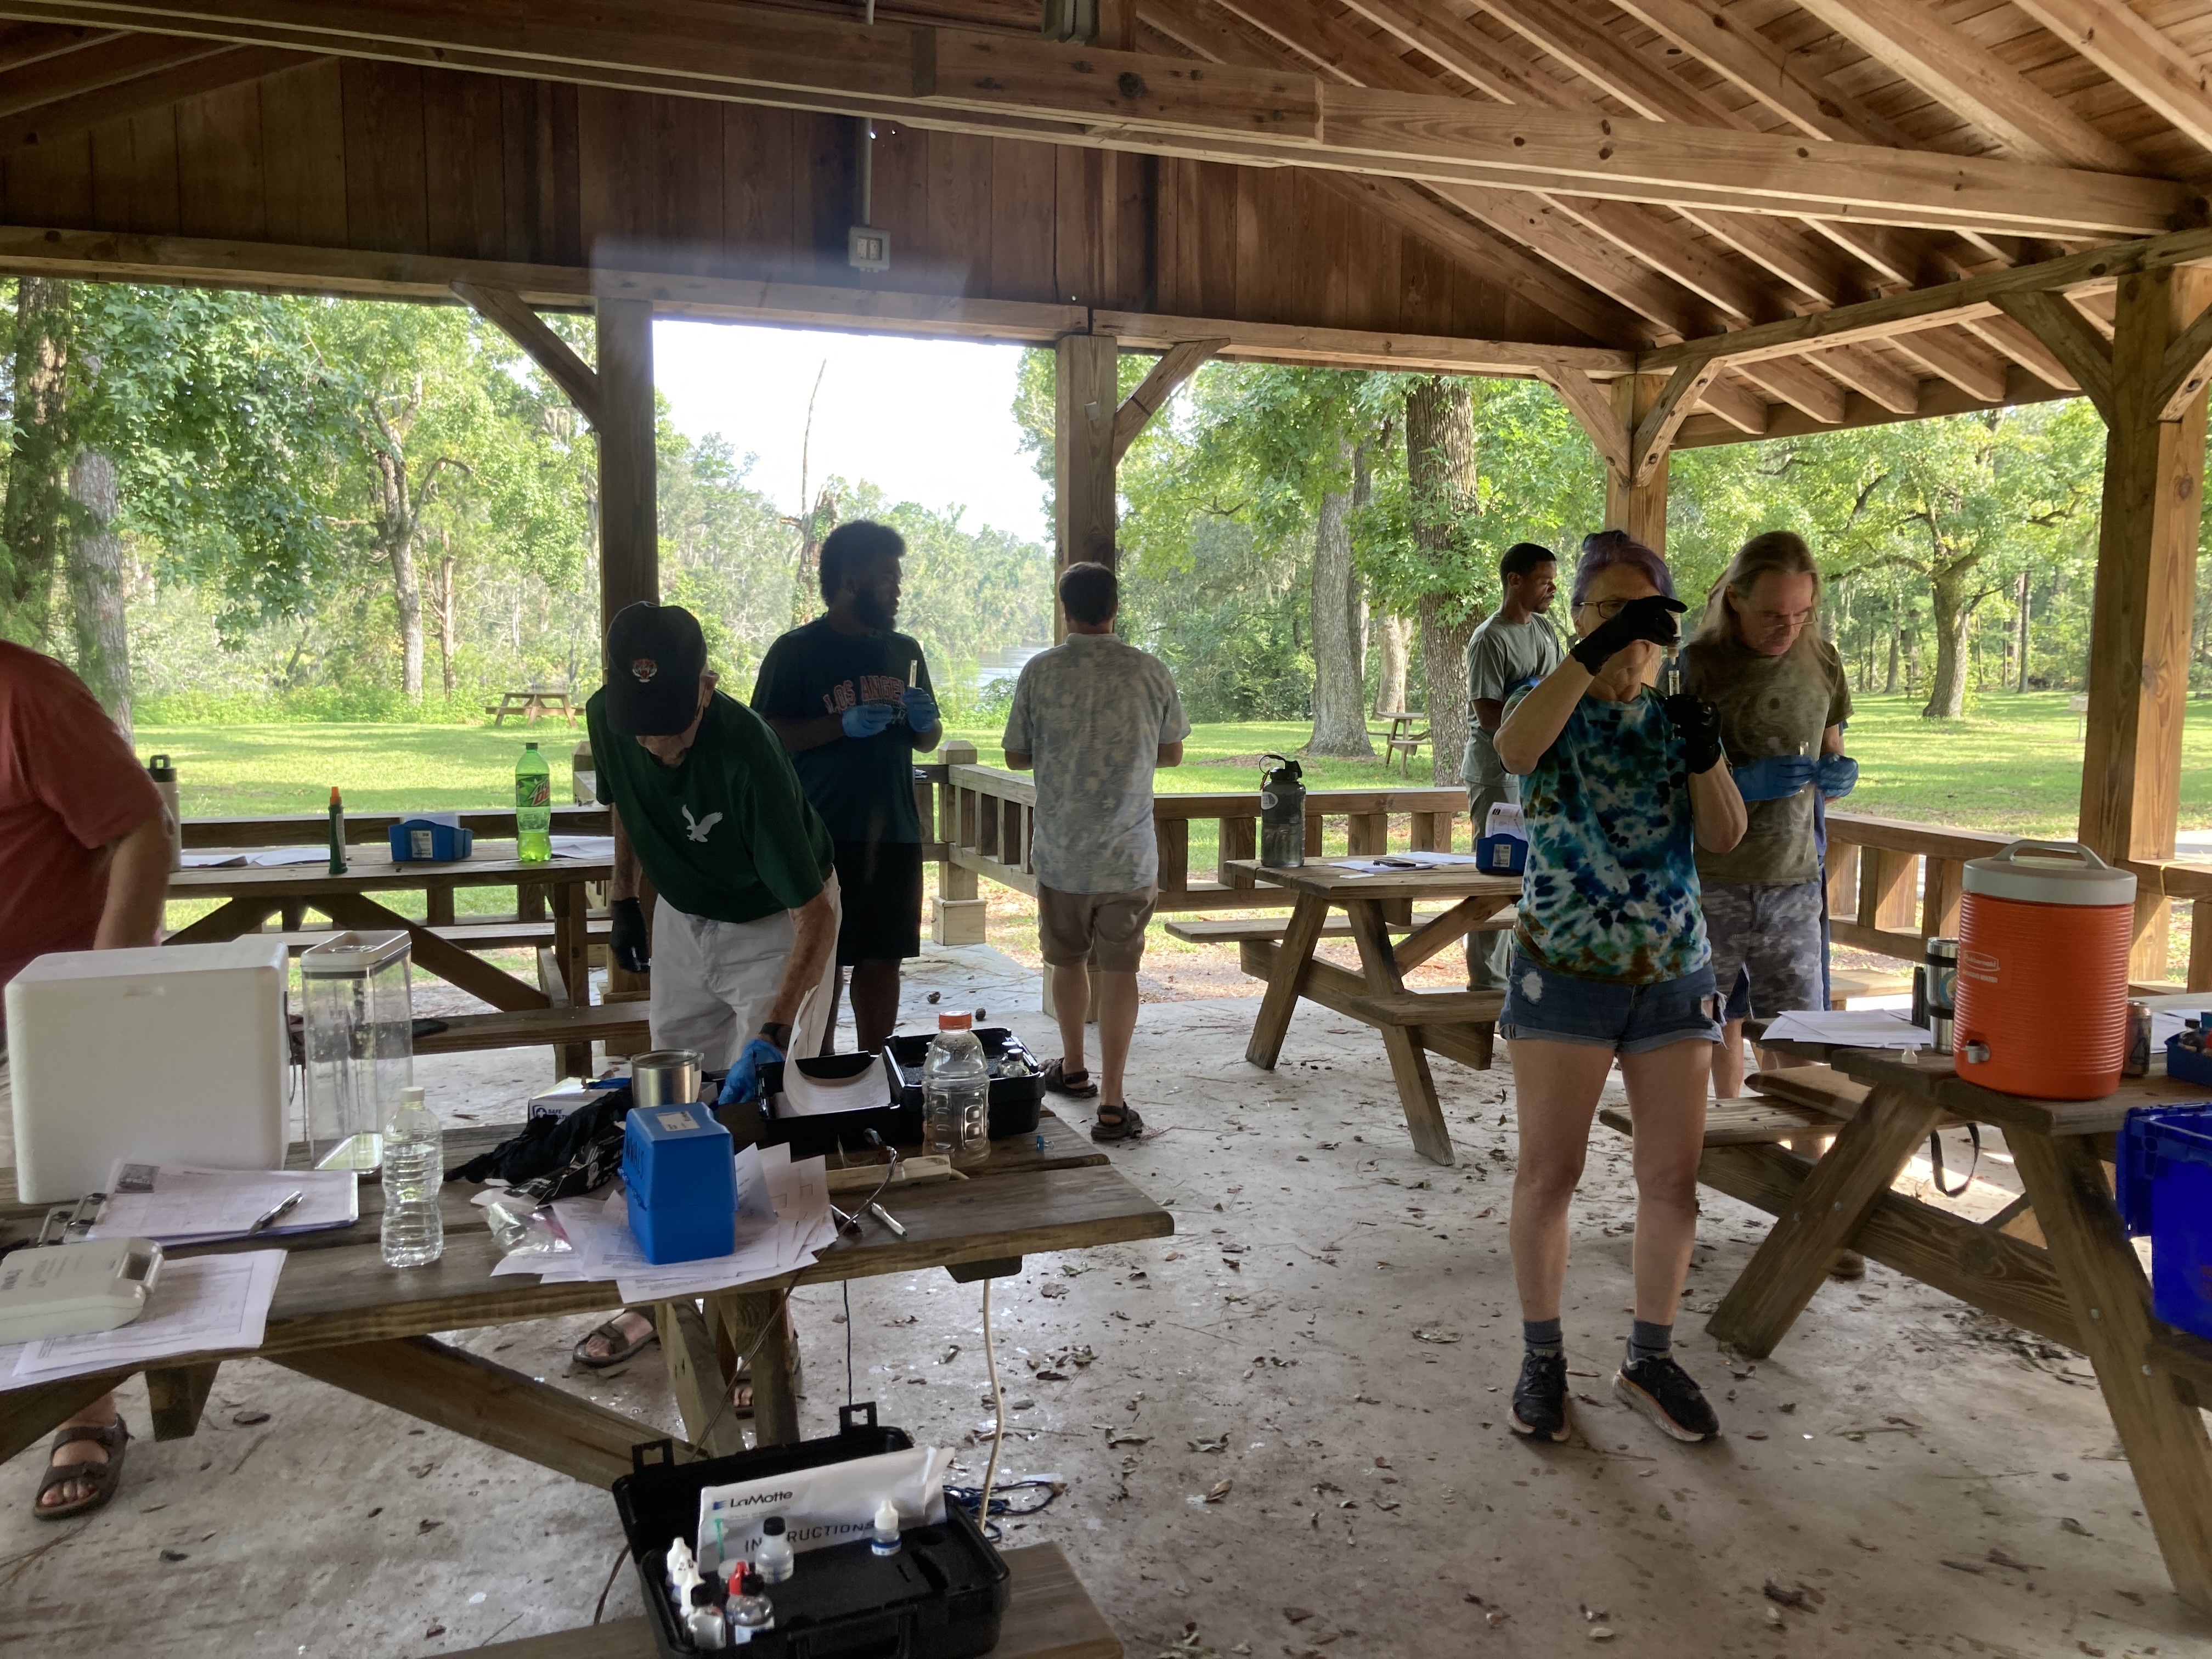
{"points": [[824, 1133], [941, 1597], [1015, 1100]]}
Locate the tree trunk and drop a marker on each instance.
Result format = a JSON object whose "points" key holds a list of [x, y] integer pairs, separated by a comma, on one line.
{"points": [[2022, 659], [445, 619], [36, 508], [1340, 718], [1896, 628], [396, 530], [95, 585], [1440, 470], [1946, 688], [1390, 641]]}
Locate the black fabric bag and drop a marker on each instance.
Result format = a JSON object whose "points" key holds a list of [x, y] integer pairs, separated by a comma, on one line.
{"points": [[558, 1158]]}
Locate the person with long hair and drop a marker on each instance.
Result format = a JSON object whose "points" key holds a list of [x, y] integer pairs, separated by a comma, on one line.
{"points": [[1759, 660], [1610, 965]]}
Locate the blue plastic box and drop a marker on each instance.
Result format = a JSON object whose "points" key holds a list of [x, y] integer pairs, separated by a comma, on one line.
{"points": [[680, 1183], [2164, 1190], [427, 841], [1502, 855]]}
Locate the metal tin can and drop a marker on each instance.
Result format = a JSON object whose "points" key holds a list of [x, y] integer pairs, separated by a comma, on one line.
{"points": [[2137, 1063], [1941, 972]]}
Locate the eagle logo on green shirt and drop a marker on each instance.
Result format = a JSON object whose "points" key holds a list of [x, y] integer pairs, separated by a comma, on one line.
{"points": [[699, 826]]}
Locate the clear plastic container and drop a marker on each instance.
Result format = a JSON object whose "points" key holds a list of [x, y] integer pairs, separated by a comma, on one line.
{"points": [[956, 1094], [360, 1044], [414, 1175], [533, 807]]}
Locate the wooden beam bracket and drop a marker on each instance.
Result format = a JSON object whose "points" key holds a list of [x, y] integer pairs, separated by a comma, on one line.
{"points": [[2184, 368], [2086, 354], [1591, 404], [1654, 434], [1176, 364], [513, 317]]}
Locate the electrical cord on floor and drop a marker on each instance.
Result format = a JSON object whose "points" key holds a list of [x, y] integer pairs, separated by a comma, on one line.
{"points": [[998, 1413], [971, 1497], [744, 1363], [598, 1612]]}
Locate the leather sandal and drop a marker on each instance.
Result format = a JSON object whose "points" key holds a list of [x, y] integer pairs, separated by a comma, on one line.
{"points": [[617, 1353], [1124, 1125], [105, 1478], [1056, 1077]]}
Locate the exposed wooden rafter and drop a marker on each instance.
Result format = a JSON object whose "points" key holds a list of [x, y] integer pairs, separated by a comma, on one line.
{"points": [[972, 80], [2072, 340], [2119, 40], [49, 120], [1950, 66]]}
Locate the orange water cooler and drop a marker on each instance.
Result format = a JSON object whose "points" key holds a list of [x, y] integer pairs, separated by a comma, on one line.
{"points": [[2043, 931]]}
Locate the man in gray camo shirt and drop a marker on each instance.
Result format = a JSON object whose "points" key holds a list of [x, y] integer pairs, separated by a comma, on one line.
{"points": [[1094, 716]]}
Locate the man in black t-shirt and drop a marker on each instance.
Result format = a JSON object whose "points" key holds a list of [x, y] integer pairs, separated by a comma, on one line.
{"points": [[851, 700]]}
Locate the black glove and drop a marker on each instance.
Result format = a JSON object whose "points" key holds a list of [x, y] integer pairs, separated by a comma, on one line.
{"points": [[631, 945], [1651, 617], [1698, 724]]}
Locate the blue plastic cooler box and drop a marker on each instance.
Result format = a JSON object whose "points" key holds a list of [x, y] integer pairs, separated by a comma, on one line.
{"points": [[680, 1181], [2164, 1190]]}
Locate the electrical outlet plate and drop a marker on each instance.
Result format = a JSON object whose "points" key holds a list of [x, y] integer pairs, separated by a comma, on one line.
{"points": [[867, 248]]}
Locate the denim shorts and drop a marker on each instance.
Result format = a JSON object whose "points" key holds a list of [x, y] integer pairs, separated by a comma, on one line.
{"points": [[1600, 1014]]}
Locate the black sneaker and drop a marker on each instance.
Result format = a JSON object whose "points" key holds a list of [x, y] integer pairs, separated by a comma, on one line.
{"points": [[1540, 1398], [1664, 1392]]}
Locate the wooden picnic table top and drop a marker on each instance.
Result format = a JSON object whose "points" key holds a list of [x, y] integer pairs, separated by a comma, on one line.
{"points": [[1325, 880], [1936, 1076], [492, 864]]}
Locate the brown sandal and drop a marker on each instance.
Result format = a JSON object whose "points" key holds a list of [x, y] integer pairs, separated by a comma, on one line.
{"points": [[1061, 1081], [106, 1478], [620, 1349]]}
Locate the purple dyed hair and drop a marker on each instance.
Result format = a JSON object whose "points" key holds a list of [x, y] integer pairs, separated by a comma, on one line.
{"points": [[1603, 549]]}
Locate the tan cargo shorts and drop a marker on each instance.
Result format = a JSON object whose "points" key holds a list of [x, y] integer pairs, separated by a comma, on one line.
{"points": [[1107, 930]]}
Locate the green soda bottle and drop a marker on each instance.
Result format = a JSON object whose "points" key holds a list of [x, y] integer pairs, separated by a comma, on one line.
{"points": [[533, 807]]}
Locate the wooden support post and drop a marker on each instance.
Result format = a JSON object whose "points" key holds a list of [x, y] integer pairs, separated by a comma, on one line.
{"points": [[1939, 904], [629, 530], [175, 1396], [1239, 840], [1367, 834], [2139, 634], [1638, 509], [2200, 946], [957, 915], [1085, 400], [1885, 884], [695, 1374], [1173, 838], [1843, 874]]}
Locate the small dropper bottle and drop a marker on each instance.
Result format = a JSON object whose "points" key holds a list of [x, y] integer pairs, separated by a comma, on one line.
{"points": [[776, 1561], [886, 1539], [748, 1610], [709, 1630]]}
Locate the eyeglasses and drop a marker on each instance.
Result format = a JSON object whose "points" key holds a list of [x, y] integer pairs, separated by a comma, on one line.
{"points": [[1607, 609], [1792, 620]]}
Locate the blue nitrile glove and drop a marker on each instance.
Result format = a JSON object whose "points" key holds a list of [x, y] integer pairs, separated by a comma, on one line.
{"points": [[865, 720], [744, 1083], [920, 709], [1776, 778], [1836, 774]]}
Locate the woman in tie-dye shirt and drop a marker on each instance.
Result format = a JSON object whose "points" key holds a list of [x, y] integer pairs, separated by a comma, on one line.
{"points": [[1610, 965]]}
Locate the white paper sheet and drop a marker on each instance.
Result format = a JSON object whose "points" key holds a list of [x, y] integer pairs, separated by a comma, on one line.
{"points": [[190, 1205], [210, 1303], [598, 849], [272, 857], [1394, 864], [211, 860], [1852, 1028]]}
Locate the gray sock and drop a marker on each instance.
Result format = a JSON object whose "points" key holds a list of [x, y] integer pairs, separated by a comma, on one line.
{"points": [[1650, 1341], [1542, 1336]]}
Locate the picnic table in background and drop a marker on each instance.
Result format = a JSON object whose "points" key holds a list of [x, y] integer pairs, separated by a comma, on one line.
{"points": [[530, 705], [2057, 1261], [558, 1010], [1458, 1024], [1401, 738]]}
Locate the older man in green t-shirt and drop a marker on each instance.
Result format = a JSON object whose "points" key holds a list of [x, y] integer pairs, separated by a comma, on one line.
{"points": [[705, 806]]}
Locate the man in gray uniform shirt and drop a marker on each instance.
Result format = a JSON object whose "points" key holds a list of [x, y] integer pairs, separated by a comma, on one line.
{"points": [[1514, 645]]}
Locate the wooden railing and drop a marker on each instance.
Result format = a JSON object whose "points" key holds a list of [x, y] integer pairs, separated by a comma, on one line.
{"points": [[1892, 884], [986, 818]]}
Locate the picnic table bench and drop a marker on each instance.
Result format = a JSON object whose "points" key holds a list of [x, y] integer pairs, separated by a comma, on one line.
{"points": [[532, 705]]}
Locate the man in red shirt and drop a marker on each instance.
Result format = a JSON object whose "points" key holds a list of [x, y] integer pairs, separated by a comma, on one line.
{"points": [[84, 866]]}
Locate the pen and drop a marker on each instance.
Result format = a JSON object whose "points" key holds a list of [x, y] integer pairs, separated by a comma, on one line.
{"points": [[884, 1216], [277, 1212]]}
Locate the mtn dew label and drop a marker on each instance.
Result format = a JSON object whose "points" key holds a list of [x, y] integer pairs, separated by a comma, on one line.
{"points": [[533, 807]]}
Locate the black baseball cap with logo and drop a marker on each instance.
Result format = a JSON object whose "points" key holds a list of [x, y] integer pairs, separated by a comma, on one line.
{"points": [[655, 654]]}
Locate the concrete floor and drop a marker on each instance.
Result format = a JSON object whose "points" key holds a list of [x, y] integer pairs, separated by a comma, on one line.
{"points": [[1917, 1478]]}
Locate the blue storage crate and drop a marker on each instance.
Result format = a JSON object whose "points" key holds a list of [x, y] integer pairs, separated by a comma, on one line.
{"points": [[2164, 1189], [429, 840], [680, 1183]]}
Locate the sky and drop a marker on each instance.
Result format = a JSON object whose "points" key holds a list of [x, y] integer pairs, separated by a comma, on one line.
{"points": [[929, 421]]}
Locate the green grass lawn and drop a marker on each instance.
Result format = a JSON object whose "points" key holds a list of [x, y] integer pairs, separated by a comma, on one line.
{"points": [[2013, 763]]}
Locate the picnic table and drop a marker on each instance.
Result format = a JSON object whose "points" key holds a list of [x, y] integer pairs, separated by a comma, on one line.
{"points": [[532, 705], [252, 893], [1457, 1024], [2056, 1262], [343, 1317], [1402, 739]]}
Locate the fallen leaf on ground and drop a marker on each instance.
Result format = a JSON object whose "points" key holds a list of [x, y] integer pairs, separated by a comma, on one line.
{"points": [[1298, 1615], [1430, 1333], [1967, 1566], [1052, 1377], [1219, 1442], [1789, 1598], [434, 1630], [2068, 1523], [1220, 1491], [1999, 1558], [1054, 1289], [428, 1526], [248, 1419], [174, 1555]]}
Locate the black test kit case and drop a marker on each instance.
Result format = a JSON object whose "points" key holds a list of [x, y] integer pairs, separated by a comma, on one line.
{"points": [[942, 1596], [1016, 1100]]}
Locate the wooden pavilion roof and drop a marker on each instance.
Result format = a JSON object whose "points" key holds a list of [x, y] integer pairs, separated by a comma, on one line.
{"points": [[1559, 187]]}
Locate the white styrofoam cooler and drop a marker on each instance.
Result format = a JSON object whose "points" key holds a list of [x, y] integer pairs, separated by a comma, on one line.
{"points": [[173, 1054]]}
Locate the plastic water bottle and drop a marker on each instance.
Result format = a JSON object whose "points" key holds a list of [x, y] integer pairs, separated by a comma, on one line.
{"points": [[414, 1174], [955, 1093], [533, 807]]}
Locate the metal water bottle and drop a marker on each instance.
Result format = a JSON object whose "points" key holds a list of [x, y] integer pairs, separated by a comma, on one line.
{"points": [[1282, 814]]}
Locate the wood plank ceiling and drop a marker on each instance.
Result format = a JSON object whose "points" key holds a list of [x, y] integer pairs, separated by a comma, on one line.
{"points": [[2103, 85]]}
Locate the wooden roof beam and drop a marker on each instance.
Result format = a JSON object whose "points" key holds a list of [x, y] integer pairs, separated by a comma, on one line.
{"points": [[1952, 68], [2019, 344], [1966, 362], [95, 67], [193, 76], [997, 83], [1937, 397], [1858, 369], [2118, 40], [1738, 404], [513, 317], [1793, 381]]}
